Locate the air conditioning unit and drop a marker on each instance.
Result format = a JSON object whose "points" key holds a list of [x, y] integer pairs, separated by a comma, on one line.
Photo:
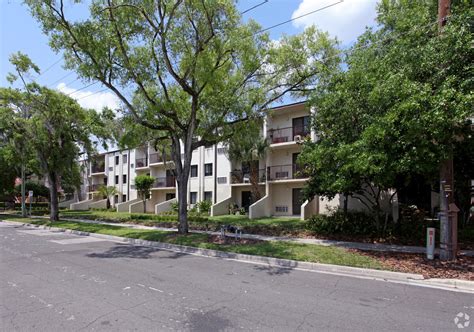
{"points": [[246, 179], [297, 138]]}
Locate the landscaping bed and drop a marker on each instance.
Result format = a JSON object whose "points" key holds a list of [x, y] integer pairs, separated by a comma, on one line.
{"points": [[462, 268]]}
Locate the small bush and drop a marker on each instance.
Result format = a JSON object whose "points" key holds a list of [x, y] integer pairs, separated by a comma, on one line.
{"points": [[175, 207], [354, 223], [204, 206]]}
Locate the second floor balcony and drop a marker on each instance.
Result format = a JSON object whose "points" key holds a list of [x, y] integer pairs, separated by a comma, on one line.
{"points": [[285, 172], [141, 162], [93, 187], [246, 176], [288, 134], [156, 158], [98, 167], [165, 182]]}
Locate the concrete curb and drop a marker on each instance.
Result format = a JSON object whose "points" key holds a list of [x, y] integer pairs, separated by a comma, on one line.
{"points": [[389, 276]]}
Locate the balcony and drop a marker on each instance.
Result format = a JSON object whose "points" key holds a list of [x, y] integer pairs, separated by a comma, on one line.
{"points": [[98, 167], [94, 187], [239, 176], [165, 182], [288, 134], [156, 158], [285, 172], [141, 162]]}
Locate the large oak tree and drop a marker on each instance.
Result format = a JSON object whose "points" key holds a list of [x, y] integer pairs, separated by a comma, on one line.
{"points": [[186, 69]]}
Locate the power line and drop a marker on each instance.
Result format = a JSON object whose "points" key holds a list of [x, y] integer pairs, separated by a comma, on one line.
{"points": [[298, 17], [84, 87], [54, 64], [60, 79], [87, 96], [252, 8]]}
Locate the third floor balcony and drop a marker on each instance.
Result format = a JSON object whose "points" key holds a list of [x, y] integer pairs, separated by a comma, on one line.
{"points": [[288, 134]]}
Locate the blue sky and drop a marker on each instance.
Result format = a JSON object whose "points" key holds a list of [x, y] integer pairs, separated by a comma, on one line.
{"points": [[20, 32]]}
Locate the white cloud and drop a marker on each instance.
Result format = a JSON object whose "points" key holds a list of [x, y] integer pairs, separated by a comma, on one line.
{"points": [[346, 20], [87, 99]]}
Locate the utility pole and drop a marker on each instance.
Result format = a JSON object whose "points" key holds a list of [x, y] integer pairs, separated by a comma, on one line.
{"points": [[448, 210]]}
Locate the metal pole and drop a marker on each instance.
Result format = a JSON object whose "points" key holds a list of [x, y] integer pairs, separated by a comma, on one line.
{"points": [[23, 194], [447, 220]]}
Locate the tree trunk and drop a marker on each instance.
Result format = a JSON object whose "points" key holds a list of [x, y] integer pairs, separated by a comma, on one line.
{"points": [[182, 169], [108, 203], [53, 194], [144, 205], [183, 204], [346, 201]]}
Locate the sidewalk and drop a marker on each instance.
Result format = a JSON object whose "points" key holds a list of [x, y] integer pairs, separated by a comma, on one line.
{"points": [[343, 244]]}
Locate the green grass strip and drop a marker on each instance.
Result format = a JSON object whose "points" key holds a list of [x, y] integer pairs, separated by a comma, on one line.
{"points": [[276, 249]]}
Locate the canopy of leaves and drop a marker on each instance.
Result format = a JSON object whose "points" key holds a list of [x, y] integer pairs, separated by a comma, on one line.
{"points": [[401, 102]]}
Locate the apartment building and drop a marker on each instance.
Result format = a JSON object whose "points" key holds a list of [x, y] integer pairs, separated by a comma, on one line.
{"points": [[213, 175]]}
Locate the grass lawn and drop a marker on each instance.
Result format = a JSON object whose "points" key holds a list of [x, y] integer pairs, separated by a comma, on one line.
{"points": [[277, 249], [265, 226]]}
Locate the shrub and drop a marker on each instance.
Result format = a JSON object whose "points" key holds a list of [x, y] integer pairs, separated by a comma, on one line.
{"points": [[204, 206], [175, 207], [354, 223]]}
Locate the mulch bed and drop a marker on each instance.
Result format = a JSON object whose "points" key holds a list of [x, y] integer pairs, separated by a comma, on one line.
{"points": [[462, 268]]}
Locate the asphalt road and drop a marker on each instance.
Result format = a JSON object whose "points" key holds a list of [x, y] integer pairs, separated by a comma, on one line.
{"points": [[61, 282]]}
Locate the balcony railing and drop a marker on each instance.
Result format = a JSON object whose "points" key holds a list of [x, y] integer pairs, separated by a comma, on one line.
{"points": [[288, 134], [94, 187], [141, 162], [158, 158], [285, 172], [169, 181], [98, 168], [239, 176]]}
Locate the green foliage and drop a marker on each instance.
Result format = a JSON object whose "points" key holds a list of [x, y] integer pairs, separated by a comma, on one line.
{"points": [[37, 188], [143, 184], [47, 126], [352, 223], [204, 206], [395, 111], [175, 207], [188, 72], [108, 192]]}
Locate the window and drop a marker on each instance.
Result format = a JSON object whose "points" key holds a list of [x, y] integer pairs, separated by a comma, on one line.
{"points": [[124, 158], [124, 198], [207, 169], [116, 198], [111, 169], [208, 196], [221, 150], [193, 197], [194, 171], [117, 160], [116, 179], [222, 180], [124, 178], [105, 181]]}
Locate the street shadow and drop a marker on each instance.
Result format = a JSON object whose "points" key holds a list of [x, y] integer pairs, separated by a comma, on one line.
{"points": [[140, 252], [209, 321], [125, 251], [273, 271]]}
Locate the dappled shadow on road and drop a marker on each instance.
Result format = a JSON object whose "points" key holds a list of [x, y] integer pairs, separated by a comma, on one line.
{"points": [[273, 270], [127, 251], [208, 321], [130, 251]]}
